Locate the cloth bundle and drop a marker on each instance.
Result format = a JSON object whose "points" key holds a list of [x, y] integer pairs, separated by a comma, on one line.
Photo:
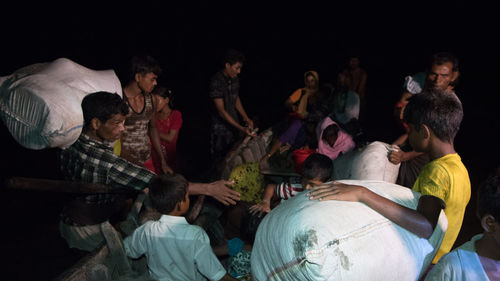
{"points": [[303, 239], [40, 104]]}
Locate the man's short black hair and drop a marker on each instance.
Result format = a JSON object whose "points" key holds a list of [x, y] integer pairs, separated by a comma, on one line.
{"points": [[317, 167], [165, 191], [233, 56], [442, 58], [143, 64], [439, 110], [102, 105], [488, 196]]}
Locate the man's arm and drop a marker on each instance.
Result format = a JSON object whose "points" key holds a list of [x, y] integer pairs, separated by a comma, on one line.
{"points": [[219, 190], [155, 141], [219, 104], [397, 155], [168, 137], [289, 104], [241, 110], [421, 222]]}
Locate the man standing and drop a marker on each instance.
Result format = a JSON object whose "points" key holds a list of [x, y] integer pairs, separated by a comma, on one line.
{"points": [[442, 74], [356, 81], [224, 92], [139, 126]]}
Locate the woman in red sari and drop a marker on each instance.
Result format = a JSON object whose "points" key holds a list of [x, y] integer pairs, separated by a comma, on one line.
{"points": [[168, 122]]}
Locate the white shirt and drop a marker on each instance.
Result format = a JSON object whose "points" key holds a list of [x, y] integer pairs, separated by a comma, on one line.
{"points": [[175, 250], [460, 264]]}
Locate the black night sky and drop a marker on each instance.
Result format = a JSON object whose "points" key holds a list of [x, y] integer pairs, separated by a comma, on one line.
{"points": [[281, 41]]}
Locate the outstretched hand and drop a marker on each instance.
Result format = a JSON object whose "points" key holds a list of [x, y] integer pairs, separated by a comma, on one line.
{"points": [[220, 191], [336, 191], [260, 209]]}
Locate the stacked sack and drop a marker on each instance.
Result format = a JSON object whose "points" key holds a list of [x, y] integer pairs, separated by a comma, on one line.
{"points": [[40, 104]]}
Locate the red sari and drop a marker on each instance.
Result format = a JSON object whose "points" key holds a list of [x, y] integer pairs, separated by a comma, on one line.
{"points": [[172, 122]]}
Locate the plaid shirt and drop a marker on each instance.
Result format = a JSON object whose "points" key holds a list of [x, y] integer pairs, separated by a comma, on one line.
{"points": [[91, 161]]}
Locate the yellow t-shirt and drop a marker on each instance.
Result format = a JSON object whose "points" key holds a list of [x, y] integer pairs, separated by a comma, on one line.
{"points": [[448, 179]]}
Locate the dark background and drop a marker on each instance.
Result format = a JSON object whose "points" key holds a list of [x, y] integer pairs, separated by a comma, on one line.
{"points": [[281, 41]]}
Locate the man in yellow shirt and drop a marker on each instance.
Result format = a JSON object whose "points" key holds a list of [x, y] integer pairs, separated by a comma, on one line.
{"points": [[434, 118]]}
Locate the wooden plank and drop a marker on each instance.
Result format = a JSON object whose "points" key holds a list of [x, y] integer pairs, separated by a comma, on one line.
{"points": [[49, 185]]}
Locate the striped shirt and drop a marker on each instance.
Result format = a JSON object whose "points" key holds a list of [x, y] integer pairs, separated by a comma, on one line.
{"points": [[91, 161], [286, 190]]}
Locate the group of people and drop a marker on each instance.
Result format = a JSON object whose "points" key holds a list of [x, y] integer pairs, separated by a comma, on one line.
{"points": [[143, 127], [321, 117]]}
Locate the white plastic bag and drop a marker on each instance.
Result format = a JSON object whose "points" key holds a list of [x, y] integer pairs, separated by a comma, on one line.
{"points": [[41, 104], [368, 163], [304, 239]]}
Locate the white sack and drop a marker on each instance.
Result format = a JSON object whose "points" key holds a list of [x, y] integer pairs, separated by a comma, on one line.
{"points": [[368, 163], [304, 239], [41, 104]]}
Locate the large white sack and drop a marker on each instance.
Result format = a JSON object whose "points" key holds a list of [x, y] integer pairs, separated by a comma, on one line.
{"points": [[41, 104], [304, 239], [368, 163]]}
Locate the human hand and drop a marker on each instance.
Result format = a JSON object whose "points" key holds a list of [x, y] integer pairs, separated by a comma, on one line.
{"points": [[250, 123], [396, 155], [264, 162], [285, 147], [261, 208], [220, 191], [336, 191], [250, 132], [165, 168]]}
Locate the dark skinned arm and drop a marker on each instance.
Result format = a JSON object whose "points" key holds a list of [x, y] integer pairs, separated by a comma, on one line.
{"points": [[155, 142], [219, 105], [421, 221]]}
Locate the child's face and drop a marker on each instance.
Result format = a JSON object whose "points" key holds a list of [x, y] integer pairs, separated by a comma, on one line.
{"points": [[162, 102], [311, 183]]}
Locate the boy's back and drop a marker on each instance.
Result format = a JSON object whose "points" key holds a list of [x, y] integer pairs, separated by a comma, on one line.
{"points": [[447, 178], [175, 250]]}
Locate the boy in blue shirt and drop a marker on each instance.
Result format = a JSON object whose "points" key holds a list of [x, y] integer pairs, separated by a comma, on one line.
{"points": [[175, 250]]}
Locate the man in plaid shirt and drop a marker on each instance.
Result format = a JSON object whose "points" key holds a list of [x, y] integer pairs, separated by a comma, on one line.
{"points": [[91, 160]]}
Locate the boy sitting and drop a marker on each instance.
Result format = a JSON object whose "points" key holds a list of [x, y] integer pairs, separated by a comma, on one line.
{"points": [[433, 118], [318, 169], [478, 259], [175, 249]]}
